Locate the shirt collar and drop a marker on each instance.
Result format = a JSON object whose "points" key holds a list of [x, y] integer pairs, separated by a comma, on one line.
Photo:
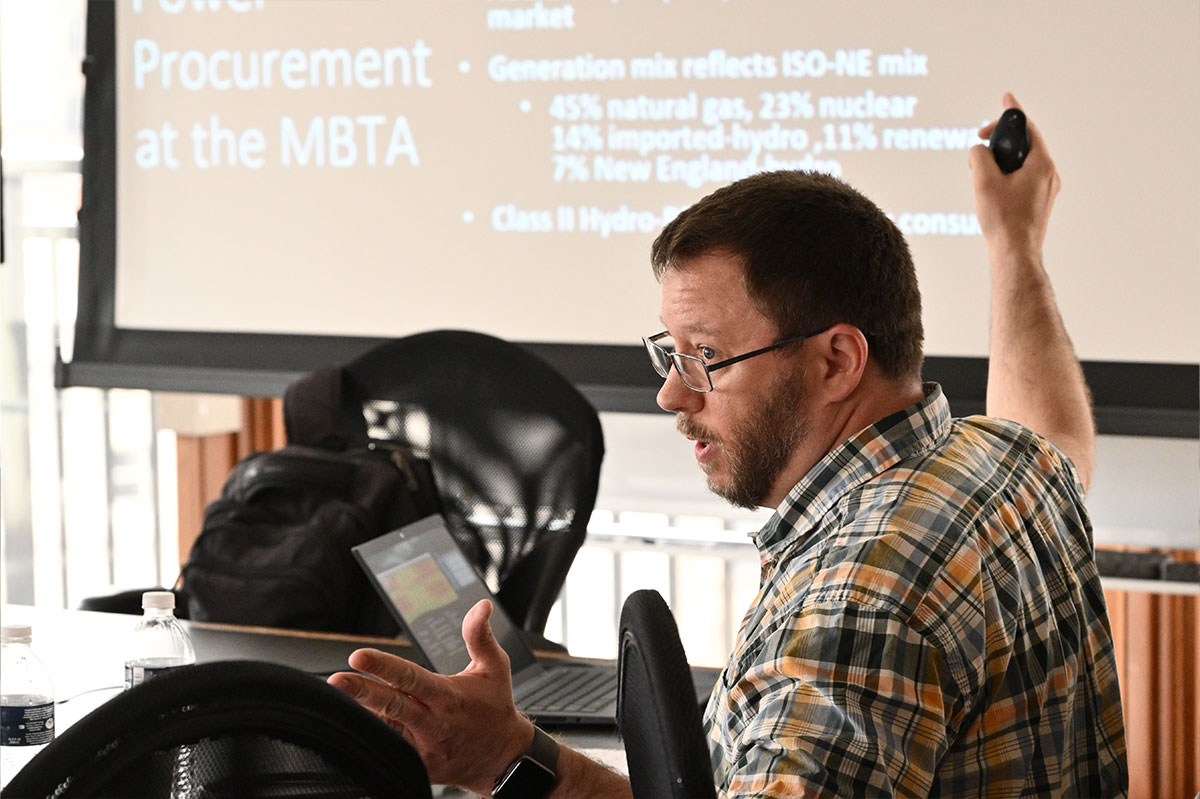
{"points": [[848, 465]]}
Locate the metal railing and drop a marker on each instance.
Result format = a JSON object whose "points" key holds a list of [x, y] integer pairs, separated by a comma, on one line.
{"points": [[706, 574]]}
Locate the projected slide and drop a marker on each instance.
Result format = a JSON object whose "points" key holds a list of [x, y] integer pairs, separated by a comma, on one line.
{"points": [[379, 167]]}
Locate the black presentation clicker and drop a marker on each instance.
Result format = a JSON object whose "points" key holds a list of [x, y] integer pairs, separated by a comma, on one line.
{"points": [[1010, 140]]}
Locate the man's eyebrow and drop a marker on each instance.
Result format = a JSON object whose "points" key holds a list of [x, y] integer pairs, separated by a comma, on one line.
{"points": [[700, 329]]}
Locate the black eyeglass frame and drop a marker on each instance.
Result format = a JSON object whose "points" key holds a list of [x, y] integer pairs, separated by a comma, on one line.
{"points": [[652, 348]]}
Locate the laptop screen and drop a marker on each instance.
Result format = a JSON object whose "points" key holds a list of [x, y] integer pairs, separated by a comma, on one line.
{"points": [[429, 586]]}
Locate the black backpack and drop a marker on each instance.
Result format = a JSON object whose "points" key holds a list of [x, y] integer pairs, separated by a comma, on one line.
{"points": [[274, 549]]}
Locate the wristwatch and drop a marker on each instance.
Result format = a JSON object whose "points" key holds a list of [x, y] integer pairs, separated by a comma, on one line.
{"points": [[530, 776]]}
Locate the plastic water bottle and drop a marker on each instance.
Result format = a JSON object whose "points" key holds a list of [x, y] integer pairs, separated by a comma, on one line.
{"points": [[159, 641], [26, 701]]}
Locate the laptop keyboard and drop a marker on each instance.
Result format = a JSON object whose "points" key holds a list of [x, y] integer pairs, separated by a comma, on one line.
{"points": [[569, 690]]}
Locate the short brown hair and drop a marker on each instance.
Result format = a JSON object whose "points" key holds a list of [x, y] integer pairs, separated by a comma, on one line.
{"points": [[815, 252]]}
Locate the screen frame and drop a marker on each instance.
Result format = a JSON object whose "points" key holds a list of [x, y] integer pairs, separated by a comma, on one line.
{"points": [[1138, 399]]}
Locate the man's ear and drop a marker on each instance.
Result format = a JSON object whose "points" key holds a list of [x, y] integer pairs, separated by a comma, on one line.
{"points": [[842, 353]]}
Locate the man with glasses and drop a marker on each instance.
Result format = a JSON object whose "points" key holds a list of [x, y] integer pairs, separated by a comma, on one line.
{"points": [[930, 619]]}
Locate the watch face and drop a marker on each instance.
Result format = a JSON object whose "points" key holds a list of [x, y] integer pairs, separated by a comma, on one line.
{"points": [[525, 779]]}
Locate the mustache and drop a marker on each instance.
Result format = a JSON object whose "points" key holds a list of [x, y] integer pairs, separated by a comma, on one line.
{"points": [[695, 430]]}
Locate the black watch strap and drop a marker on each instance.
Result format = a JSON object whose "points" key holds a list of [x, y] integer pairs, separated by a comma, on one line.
{"points": [[544, 749], [530, 776]]}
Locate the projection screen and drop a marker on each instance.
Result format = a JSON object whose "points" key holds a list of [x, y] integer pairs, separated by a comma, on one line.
{"points": [[271, 185]]}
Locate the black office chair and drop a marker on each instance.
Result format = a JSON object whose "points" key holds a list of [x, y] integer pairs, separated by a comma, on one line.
{"points": [[657, 710], [228, 729], [514, 447]]}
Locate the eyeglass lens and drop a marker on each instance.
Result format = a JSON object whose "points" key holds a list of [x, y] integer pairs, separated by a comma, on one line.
{"points": [[691, 370]]}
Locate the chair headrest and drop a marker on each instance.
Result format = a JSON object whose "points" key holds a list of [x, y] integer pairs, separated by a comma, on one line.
{"points": [[313, 412]]}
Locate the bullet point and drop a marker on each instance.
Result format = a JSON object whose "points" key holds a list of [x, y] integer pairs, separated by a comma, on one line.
{"points": [[468, 217], [526, 106], [464, 67]]}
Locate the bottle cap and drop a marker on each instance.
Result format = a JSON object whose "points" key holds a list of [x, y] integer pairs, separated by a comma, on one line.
{"points": [[158, 599], [16, 633]]}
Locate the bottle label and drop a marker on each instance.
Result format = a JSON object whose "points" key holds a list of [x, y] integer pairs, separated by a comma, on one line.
{"points": [[27, 725], [136, 675]]}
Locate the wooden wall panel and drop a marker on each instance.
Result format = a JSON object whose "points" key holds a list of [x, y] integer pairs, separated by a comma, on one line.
{"points": [[203, 463], [262, 428], [1177, 699], [1157, 641], [191, 498], [1140, 691]]}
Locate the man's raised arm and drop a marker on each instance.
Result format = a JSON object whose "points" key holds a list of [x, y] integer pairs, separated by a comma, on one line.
{"points": [[1034, 376]]}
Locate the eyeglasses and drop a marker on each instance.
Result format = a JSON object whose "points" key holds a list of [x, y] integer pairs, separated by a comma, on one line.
{"points": [[694, 372]]}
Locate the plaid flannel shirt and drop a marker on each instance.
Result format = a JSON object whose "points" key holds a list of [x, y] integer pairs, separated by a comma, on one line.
{"points": [[930, 622]]}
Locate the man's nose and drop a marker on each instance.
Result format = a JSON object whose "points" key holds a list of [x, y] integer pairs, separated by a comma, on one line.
{"points": [[675, 397]]}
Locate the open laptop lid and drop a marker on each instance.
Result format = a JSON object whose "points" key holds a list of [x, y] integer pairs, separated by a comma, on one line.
{"points": [[429, 586]]}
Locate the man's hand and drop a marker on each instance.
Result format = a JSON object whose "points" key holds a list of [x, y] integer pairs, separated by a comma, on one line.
{"points": [[1014, 209], [1034, 376], [465, 726]]}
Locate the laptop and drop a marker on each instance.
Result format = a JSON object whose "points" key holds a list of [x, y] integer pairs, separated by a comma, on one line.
{"points": [[429, 585]]}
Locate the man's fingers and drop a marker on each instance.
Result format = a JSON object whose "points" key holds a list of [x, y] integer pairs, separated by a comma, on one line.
{"points": [[487, 656], [403, 675], [981, 153], [980, 157], [465, 725], [392, 706], [475, 623], [402, 689], [482, 646], [1007, 101]]}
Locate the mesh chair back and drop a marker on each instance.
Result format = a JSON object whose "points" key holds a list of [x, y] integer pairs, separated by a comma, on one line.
{"points": [[227, 729], [657, 706], [657, 709], [514, 447]]}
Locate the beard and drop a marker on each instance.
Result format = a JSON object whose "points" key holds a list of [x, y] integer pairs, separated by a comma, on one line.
{"points": [[759, 447]]}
